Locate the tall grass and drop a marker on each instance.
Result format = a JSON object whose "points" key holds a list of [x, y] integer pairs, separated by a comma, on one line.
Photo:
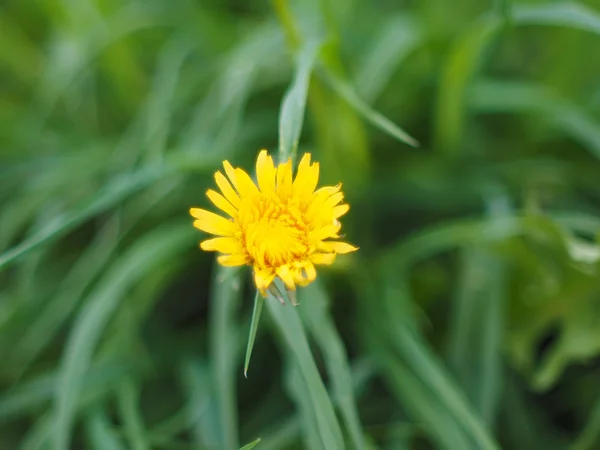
{"points": [[467, 136]]}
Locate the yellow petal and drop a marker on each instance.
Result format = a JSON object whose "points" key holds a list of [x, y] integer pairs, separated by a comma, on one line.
{"points": [[232, 260], [328, 231], [263, 279], [221, 244], [212, 223], [286, 276], [337, 247], [227, 190], [284, 180], [230, 171], [265, 172], [334, 200], [221, 203], [340, 210], [322, 258], [245, 185], [306, 179]]}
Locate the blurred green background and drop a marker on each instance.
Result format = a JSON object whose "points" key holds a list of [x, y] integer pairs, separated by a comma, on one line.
{"points": [[470, 317]]}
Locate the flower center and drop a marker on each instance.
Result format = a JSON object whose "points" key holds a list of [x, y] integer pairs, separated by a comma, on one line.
{"points": [[274, 231]]}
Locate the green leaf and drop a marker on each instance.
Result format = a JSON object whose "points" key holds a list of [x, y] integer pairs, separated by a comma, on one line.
{"points": [[258, 303], [100, 432], [492, 97], [463, 61], [291, 115], [108, 197], [565, 14], [251, 445], [154, 249], [314, 312], [127, 399], [377, 119], [296, 345], [224, 344]]}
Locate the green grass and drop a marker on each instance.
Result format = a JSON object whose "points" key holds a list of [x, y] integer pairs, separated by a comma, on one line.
{"points": [[467, 137]]}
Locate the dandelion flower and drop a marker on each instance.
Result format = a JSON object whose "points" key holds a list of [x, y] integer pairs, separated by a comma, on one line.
{"points": [[282, 228]]}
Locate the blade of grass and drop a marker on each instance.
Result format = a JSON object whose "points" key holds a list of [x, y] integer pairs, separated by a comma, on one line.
{"points": [[224, 300], [258, 303], [127, 399], [567, 14], [510, 97], [156, 248], [100, 434], [345, 90], [301, 398], [201, 406], [321, 326], [289, 324], [393, 42], [251, 445], [462, 63], [293, 105]]}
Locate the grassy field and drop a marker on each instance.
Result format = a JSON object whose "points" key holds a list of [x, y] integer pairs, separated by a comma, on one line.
{"points": [[467, 137]]}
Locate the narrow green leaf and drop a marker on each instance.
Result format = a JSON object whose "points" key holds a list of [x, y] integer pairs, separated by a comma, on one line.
{"points": [[251, 445], [463, 61], [391, 44], [127, 404], [423, 405], [492, 97], [107, 198], [101, 435], [225, 300], [258, 303], [291, 115], [321, 326], [377, 119], [299, 394], [289, 324], [566, 14], [157, 247]]}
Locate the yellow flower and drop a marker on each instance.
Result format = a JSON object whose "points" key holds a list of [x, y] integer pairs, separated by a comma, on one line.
{"points": [[280, 228]]}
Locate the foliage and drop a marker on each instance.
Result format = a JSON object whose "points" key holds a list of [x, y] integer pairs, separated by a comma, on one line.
{"points": [[467, 136]]}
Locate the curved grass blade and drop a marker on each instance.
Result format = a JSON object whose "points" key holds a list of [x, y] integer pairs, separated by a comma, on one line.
{"points": [[154, 249], [108, 197], [100, 434], [258, 303], [346, 91], [293, 105], [565, 14], [510, 97], [251, 445], [462, 63], [296, 345], [301, 398], [127, 398], [322, 328], [224, 344]]}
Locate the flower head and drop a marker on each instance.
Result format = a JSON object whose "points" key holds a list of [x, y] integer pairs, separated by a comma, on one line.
{"points": [[282, 227]]}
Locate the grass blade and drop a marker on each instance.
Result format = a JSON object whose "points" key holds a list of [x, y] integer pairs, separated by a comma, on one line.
{"points": [[225, 298], [258, 303], [321, 326], [127, 399], [100, 434], [462, 63], [293, 105], [565, 14], [289, 324], [377, 119], [251, 445], [152, 250]]}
